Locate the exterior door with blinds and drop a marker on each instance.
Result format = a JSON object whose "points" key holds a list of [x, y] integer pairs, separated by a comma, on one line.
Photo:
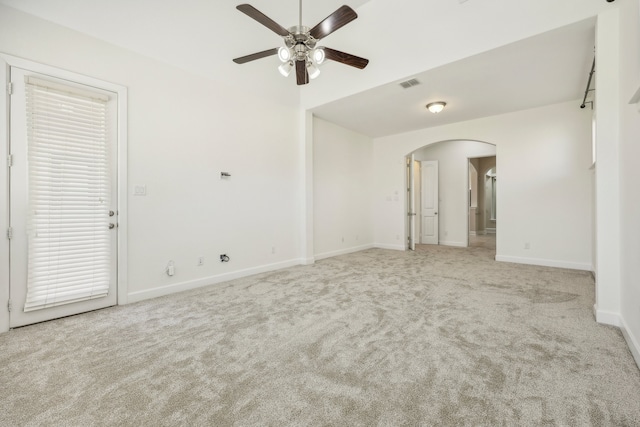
{"points": [[63, 196]]}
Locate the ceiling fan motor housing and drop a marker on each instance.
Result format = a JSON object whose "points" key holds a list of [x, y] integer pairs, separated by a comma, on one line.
{"points": [[300, 41]]}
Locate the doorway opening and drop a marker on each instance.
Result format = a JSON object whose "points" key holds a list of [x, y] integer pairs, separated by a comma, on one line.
{"points": [[439, 195], [483, 216]]}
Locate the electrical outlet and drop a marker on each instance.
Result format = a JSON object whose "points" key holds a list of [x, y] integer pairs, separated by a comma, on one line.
{"points": [[527, 245], [342, 238], [273, 249], [171, 269], [201, 260]]}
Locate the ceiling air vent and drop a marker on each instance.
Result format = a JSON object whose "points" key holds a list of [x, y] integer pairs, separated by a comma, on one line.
{"points": [[410, 83]]}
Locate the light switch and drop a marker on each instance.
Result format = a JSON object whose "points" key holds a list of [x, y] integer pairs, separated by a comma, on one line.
{"points": [[140, 190]]}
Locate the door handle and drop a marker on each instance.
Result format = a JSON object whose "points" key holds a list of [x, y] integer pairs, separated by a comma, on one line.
{"points": [[435, 213], [111, 225], [111, 213]]}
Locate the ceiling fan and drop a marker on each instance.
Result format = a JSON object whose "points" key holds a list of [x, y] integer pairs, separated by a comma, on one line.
{"points": [[300, 50]]}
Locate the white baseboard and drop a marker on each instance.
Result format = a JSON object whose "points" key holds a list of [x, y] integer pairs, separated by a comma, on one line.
{"points": [[607, 317], [545, 262], [455, 244], [632, 342], [207, 281], [614, 319], [472, 233], [392, 247], [342, 251]]}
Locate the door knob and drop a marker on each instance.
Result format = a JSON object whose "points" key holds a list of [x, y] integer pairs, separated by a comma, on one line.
{"points": [[111, 213], [111, 225], [436, 213]]}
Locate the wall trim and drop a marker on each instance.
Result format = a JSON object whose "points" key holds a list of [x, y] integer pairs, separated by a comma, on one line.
{"points": [[491, 230], [607, 317], [307, 261], [615, 319], [545, 262], [387, 246], [342, 251], [208, 281], [454, 244], [632, 342]]}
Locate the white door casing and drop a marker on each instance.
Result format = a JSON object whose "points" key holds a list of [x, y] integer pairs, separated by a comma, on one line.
{"points": [[430, 202], [417, 201], [412, 203]]}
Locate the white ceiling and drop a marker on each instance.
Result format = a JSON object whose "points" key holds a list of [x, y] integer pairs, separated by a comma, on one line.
{"points": [[550, 68], [203, 36], [198, 35]]}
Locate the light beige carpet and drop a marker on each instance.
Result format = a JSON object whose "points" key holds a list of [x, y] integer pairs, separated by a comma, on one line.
{"points": [[441, 336]]}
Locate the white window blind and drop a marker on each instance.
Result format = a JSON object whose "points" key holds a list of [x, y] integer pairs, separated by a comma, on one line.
{"points": [[69, 195]]}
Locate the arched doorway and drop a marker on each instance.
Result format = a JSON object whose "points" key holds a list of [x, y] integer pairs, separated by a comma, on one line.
{"points": [[448, 197]]}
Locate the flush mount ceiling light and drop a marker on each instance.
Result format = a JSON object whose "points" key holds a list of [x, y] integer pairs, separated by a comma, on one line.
{"points": [[300, 51], [436, 107]]}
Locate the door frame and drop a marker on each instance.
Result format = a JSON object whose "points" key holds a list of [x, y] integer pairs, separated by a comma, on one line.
{"points": [[468, 192], [410, 205], [7, 61]]}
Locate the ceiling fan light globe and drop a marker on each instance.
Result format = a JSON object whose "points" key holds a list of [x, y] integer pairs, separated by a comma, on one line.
{"points": [[318, 56], [313, 71], [285, 69], [284, 54]]}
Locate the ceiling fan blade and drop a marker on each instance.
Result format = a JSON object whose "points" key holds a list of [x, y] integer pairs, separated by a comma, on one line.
{"points": [[333, 22], [254, 13], [302, 75], [345, 58], [257, 55]]}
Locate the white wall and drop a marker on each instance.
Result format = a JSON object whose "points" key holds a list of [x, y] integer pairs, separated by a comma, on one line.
{"points": [[630, 174], [453, 184], [184, 130], [607, 111], [544, 196], [342, 188]]}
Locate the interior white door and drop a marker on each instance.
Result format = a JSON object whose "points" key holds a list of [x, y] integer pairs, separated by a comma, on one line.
{"points": [[430, 202], [58, 200]]}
